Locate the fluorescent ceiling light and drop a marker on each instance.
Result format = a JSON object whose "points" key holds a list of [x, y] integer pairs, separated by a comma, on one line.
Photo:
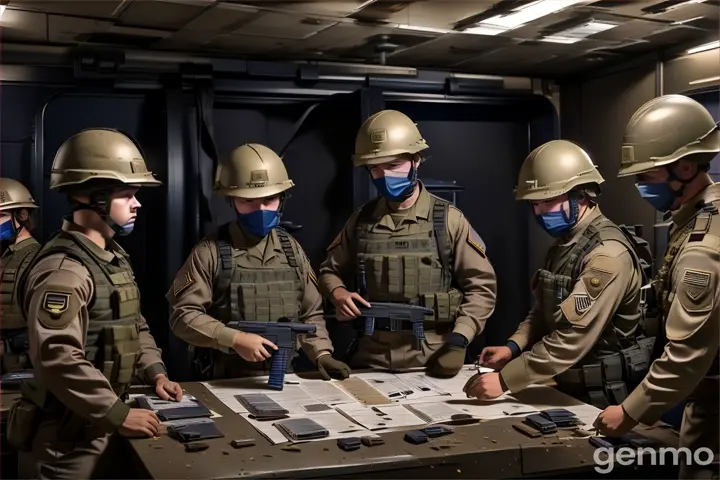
{"points": [[418, 28], [521, 15], [706, 46], [683, 4], [705, 80], [575, 34], [682, 22], [560, 39], [2, 10]]}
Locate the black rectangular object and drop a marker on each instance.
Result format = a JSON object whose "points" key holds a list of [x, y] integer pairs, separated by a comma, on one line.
{"points": [[541, 423], [416, 437], [349, 444]]}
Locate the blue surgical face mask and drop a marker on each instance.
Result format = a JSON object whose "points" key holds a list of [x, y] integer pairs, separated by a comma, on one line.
{"points": [[658, 194], [7, 232], [396, 189], [558, 223], [124, 230], [259, 222]]}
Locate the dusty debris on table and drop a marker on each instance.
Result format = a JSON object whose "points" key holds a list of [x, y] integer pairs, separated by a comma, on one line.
{"points": [[326, 449], [581, 433], [291, 449], [441, 447], [225, 452]]}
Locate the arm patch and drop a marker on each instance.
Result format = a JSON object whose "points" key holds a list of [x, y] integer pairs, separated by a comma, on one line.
{"points": [[58, 307], [182, 282], [335, 242], [474, 240], [312, 277]]}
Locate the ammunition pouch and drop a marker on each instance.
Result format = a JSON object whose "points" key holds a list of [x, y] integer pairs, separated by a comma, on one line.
{"points": [[609, 381], [23, 421], [15, 351], [443, 304], [113, 348], [201, 361]]}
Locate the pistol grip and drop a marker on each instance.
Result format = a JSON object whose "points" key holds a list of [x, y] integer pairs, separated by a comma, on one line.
{"points": [[276, 381]]}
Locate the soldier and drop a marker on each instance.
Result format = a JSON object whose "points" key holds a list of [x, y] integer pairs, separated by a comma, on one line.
{"points": [[408, 247], [88, 339], [18, 249], [249, 270], [669, 143], [583, 327]]}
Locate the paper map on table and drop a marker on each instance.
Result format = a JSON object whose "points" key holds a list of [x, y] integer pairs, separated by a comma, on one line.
{"points": [[380, 401]]}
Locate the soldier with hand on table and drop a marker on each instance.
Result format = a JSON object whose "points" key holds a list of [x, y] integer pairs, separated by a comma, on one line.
{"points": [[584, 328], [88, 340], [669, 144]]}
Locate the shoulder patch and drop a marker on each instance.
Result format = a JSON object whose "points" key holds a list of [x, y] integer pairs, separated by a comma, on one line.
{"points": [[57, 309], [182, 281], [312, 277], [474, 240], [335, 242], [694, 293], [582, 303]]}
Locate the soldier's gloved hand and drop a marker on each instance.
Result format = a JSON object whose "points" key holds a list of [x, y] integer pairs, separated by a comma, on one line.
{"points": [[449, 358], [331, 368]]}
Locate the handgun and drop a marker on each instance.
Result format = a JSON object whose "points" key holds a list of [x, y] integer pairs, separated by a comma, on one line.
{"points": [[282, 333]]}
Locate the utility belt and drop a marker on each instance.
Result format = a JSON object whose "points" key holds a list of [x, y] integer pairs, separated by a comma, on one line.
{"points": [[609, 381]]}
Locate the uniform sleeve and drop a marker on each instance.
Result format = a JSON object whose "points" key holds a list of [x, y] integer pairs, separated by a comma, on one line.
{"points": [[311, 311], [57, 294], [692, 330], [150, 361], [603, 283], [473, 275], [190, 297], [339, 264], [534, 327]]}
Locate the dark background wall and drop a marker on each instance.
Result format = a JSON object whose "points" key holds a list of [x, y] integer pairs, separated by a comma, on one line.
{"points": [[479, 141]]}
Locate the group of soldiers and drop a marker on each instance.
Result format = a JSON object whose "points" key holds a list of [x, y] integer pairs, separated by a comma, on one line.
{"points": [[76, 304]]}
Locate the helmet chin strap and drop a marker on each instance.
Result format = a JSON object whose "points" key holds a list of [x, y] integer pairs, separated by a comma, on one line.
{"points": [[672, 176], [100, 204]]}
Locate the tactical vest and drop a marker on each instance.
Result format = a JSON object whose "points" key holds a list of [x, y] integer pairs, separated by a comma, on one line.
{"points": [[113, 336], [13, 327], [616, 363], [251, 293], [413, 267]]}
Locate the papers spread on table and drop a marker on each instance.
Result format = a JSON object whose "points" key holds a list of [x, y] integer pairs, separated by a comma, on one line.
{"points": [[381, 401]]}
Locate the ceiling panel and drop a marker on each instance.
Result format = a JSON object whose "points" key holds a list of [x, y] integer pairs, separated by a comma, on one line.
{"points": [[329, 9], [22, 26], [624, 7], [634, 29], [448, 50], [691, 11], [341, 36], [438, 14], [285, 26], [222, 18], [87, 8], [62, 29], [159, 14]]}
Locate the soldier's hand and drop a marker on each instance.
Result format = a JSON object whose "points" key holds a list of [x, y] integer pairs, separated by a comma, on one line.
{"points": [[344, 302], [251, 347], [166, 390], [330, 368], [140, 423], [495, 357]]}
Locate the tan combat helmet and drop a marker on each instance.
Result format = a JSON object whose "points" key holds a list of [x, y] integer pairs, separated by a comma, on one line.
{"points": [[100, 154], [253, 171], [14, 195], [554, 169], [664, 130], [385, 134]]}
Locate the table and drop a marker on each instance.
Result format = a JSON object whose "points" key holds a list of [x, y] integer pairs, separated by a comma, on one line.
{"points": [[491, 449]]}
